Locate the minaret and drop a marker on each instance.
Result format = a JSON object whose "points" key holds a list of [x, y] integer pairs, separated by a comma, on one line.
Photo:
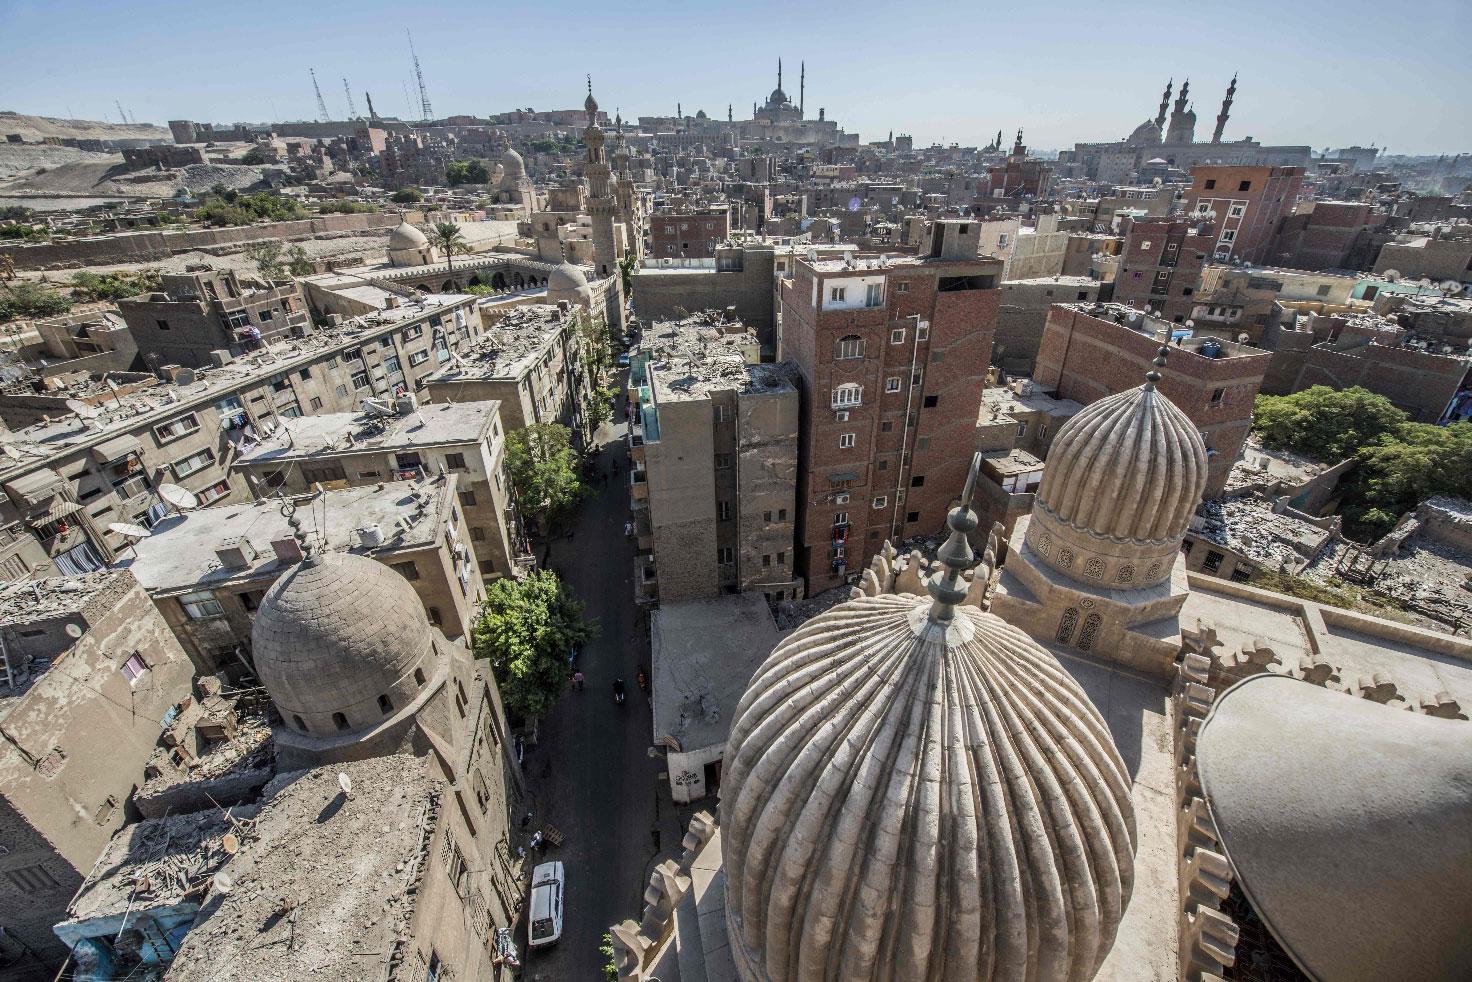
{"points": [[730, 114], [1182, 120], [779, 74], [1221, 118], [1164, 107], [802, 86], [601, 209]]}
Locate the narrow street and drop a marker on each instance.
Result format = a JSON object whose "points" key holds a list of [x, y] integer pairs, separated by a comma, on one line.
{"points": [[591, 775]]}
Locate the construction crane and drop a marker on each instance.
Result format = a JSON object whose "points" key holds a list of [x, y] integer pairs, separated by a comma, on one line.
{"points": [[121, 115], [426, 112], [321, 102], [372, 113], [352, 109]]}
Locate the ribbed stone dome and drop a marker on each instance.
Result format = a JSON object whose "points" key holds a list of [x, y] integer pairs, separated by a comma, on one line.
{"points": [[406, 236], [1123, 479], [908, 799], [336, 635]]}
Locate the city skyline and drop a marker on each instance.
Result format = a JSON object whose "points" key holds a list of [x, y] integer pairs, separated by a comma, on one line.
{"points": [[471, 68]]}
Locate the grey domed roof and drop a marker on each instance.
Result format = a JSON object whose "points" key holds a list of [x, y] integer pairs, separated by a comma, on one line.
{"points": [[513, 167], [406, 236], [334, 634], [568, 282], [907, 799], [778, 97]]}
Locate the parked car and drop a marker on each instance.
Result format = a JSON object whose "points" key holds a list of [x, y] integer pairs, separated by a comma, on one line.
{"points": [[623, 359], [546, 905]]}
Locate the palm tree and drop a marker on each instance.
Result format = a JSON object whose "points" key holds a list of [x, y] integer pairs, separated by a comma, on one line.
{"points": [[447, 236]]}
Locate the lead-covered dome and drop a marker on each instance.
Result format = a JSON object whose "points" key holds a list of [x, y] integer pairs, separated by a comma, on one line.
{"points": [[336, 636], [1123, 479], [907, 798], [405, 237], [567, 281]]}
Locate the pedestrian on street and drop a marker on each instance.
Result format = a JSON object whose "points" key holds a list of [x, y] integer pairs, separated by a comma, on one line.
{"points": [[577, 681]]}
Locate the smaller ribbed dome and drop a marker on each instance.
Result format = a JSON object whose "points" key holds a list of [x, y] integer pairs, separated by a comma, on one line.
{"points": [[1123, 478], [335, 634], [513, 167], [406, 237]]}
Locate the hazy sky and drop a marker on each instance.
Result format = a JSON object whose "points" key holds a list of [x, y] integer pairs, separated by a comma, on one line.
{"points": [[1312, 71]]}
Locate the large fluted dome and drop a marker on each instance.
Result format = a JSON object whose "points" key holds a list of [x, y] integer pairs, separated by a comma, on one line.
{"points": [[909, 800], [512, 166], [335, 636], [1123, 479]]}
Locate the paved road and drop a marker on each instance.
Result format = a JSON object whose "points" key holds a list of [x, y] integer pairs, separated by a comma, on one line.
{"points": [[591, 775]]}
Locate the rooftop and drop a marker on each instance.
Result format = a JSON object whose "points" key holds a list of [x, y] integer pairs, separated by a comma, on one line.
{"points": [[1266, 469], [1022, 397], [346, 434], [180, 555], [1248, 526], [1204, 345], [703, 654], [27, 601], [702, 353], [509, 347]]}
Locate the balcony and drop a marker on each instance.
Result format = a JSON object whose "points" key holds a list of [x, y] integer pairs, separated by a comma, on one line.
{"points": [[639, 485], [646, 581]]}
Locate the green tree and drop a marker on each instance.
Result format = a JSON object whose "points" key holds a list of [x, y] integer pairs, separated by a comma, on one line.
{"points": [[467, 172], [266, 254], [27, 299], [1393, 477], [626, 267], [298, 263], [406, 196], [544, 471], [1325, 423], [19, 230], [255, 156], [341, 206], [610, 967], [480, 290], [527, 629], [449, 237], [115, 286]]}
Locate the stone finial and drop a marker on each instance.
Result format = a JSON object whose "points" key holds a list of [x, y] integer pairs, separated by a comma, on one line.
{"points": [[1153, 376], [946, 587], [310, 555]]}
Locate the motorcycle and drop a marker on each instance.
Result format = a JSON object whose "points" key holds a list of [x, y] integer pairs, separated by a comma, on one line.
{"points": [[618, 690], [643, 681]]}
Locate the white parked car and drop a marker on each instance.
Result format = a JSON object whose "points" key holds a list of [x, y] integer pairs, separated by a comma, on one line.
{"points": [[546, 905]]}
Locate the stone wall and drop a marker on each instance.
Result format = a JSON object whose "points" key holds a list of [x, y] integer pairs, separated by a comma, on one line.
{"points": [[1448, 521]]}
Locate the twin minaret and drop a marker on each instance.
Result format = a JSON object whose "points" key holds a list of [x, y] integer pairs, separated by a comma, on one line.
{"points": [[1183, 119]]}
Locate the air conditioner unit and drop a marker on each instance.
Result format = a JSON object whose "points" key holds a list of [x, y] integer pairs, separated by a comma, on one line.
{"points": [[840, 499], [841, 416]]}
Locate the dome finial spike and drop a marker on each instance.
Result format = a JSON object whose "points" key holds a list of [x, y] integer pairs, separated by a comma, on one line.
{"points": [[1153, 376], [946, 587], [310, 556]]}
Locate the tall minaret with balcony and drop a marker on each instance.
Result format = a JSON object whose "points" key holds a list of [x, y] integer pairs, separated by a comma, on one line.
{"points": [[603, 210]]}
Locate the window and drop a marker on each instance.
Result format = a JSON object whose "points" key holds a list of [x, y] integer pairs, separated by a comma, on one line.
{"points": [[850, 346], [881, 501], [902, 287], [874, 295], [392, 365], [1210, 184], [1245, 186], [467, 498], [848, 394], [342, 391], [316, 403], [725, 555], [1324, 290], [353, 354], [162, 325], [414, 332], [1213, 561], [455, 461], [886, 426], [781, 558], [912, 516], [418, 357], [406, 569], [134, 667], [201, 605], [766, 516], [1216, 396], [781, 514], [478, 534], [931, 401], [837, 294], [176, 428], [360, 380], [1229, 235], [897, 336], [892, 384], [214, 492], [194, 462], [922, 332], [767, 560], [1236, 211], [841, 518], [918, 481], [385, 705], [419, 672], [434, 618], [723, 511], [32, 879], [340, 721], [845, 441], [723, 461]]}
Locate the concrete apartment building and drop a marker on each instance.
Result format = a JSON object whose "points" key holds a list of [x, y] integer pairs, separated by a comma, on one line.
{"points": [[207, 571], [689, 233], [1436, 252], [532, 360], [1024, 311], [69, 477], [893, 355], [1249, 203], [1014, 430], [404, 442], [714, 450], [205, 310], [1160, 265], [87, 670], [1092, 351], [742, 279]]}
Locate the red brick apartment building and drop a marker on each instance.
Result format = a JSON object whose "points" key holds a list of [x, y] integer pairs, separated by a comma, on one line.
{"points": [[1160, 266], [693, 234], [893, 355], [1248, 202], [1091, 351]]}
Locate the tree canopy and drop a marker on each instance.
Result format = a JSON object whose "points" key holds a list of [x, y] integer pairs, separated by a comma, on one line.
{"points": [[266, 254], [527, 629], [115, 286], [544, 470], [1325, 423], [467, 172], [223, 207], [406, 196], [27, 299], [450, 238]]}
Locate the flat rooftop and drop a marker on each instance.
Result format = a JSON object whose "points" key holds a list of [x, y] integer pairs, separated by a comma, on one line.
{"points": [[27, 601], [509, 347], [1002, 401], [1154, 327], [180, 555], [348, 434], [703, 353], [703, 654], [1248, 526]]}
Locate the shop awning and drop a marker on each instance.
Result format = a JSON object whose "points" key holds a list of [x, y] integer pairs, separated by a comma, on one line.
{"points": [[117, 448], [57, 510], [34, 488]]}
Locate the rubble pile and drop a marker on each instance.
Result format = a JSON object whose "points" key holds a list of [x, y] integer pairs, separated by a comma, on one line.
{"points": [[1248, 526]]}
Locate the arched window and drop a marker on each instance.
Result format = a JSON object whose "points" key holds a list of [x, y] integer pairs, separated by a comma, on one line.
{"points": [[849, 346], [418, 676], [385, 705], [1090, 632], [300, 723], [1066, 625], [340, 721], [848, 394]]}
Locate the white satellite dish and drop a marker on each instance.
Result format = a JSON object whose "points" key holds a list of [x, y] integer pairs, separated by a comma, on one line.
{"points": [[129, 529], [222, 882], [346, 783], [73, 631], [82, 409], [180, 498]]}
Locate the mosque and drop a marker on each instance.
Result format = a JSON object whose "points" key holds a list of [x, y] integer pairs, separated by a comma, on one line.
{"points": [[1071, 759], [1162, 143]]}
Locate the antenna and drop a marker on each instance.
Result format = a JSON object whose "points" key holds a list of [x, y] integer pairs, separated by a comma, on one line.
{"points": [[428, 113], [321, 102], [352, 109]]}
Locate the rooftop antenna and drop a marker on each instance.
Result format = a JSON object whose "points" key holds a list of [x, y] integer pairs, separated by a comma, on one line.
{"points": [[352, 109], [321, 102], [425, 109]]}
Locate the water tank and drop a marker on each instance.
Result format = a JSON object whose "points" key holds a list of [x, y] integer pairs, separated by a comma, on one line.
{"points": [[370, 536], [1211, 349]]}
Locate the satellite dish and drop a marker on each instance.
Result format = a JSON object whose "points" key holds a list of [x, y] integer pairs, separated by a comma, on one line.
{"points": [[180, 498], [82, 409], [222, 882], [73, 631], [130, 530], [1451, 286], [346, 783], [1391, 275]]}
